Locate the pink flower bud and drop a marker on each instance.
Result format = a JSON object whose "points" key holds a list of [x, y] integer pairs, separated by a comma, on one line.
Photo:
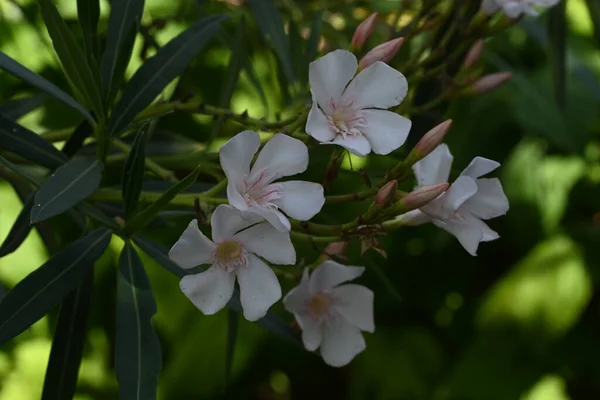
{"points": [[386, 194], [432, 139], [421, 196], [384, 52], [490, 82], [364, 30], [336, 248], [474, 53]]}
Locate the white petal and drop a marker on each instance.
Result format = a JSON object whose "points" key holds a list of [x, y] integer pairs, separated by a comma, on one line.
{"points": [[301, 200], [295, 300], [377, 86], [479, 167], [273, 216], [386, 131], [329, 75], [237, 153], [312, 331], [459, 192], [330, 274], [192, 248], [210, 290], [435, 167], [341, 342], [489, 6], [414, 217], [512, 9], [357, 145], [489, 201], [264, 240], [468, 235], [317, 124], [355, 303], [234, 196], [259, 288], [226, 221], [282, 156]]}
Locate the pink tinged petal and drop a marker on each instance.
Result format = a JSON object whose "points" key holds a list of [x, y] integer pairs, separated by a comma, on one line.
{"points": [[469, 235], [259, 288], [300, 200], [355, 303], [272, 216], [329, 75], [210, 290], [377, 86], [435, 168], [357, 145], [312, 331], [341, 342], [192, 248], [330, 274], [282, 156], [489, 201], [480, 166], [237, 153], [295, 300], [414, 217], [267, 242], [386, 131], [227, 221], [318, 126]]}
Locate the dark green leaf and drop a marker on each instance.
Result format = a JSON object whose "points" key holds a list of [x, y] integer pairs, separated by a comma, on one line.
{"points": [[557, 32], [75, 141], [19, 231], [159, 254], [69, 338], [20, 140], [125, 16], [70, 184], [20, 171], [15, 109], [296, 47], [270, 23], [18, 70], [312, 45], [35, 295], [594, 11], [72, 58], [138, 358], [96, 214], [88, 12], [134, 172], [144, 217], [232, 332], [158, 71]]}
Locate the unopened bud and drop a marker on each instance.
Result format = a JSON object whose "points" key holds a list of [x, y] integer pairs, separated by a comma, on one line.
{"points": [[490, 82], [385, 52], [336, 249], [363, 31], [473, 54], [420, 197], [429, 142], [386, 194]]}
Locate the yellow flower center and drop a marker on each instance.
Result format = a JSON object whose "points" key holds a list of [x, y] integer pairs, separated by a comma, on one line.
{"points": [[319, 304], [229, 252]]}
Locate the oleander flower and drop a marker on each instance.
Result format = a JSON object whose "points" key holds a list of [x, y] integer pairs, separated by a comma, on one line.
{"points": [[254, 190], [516, 8], [461, 209], [238, 240], [332, 315], [352, 112]]}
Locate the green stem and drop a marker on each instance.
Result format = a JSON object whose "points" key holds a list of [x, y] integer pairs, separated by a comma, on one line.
{"points": [[183, 199], [314, 239], [163, 173]]}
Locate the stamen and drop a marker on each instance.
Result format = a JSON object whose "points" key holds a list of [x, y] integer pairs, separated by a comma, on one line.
{"points": [[230, 254]]}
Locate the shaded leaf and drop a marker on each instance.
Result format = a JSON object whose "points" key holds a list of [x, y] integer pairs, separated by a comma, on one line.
{"points": [[88, 13], [133, 172], [69, 338], [70, 184], [15, 109], [557, 32], [27, 144], [594, 12], [159, 70], [20, 171], [75, 141], [35, 295], [233, 319], [138, 358], [18, 70], [19, 230], [312, 45]]}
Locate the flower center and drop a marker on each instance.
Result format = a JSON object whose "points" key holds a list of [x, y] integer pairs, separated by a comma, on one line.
{"points": [[259, 192], [345, 119], [230, 254], [319, 305]]}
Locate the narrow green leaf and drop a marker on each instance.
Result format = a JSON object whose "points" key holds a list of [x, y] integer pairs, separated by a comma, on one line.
{"points": [[312, 45], [18, 70], [158, 71], [297, 46], [75, 141], [88, 12], [557, 32], [72, 58], [133, 173], [15, 109], [270, 23], [27, 144], [19, 230], [69, 185], [138, 358], [594, 11], [69, 338], [125, 16], [232, 333], [144, 217], [20, 171], [35, 295]]}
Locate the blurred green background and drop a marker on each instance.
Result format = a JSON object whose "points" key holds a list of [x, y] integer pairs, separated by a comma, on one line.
{"points": [[519, 321]]}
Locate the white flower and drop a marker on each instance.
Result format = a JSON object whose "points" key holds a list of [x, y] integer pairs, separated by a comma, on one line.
{"points": [[515, 8], [352, 112], [233, 253], [469, 200], [253, 189], [332, 316]]}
